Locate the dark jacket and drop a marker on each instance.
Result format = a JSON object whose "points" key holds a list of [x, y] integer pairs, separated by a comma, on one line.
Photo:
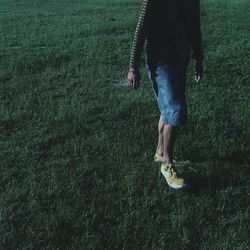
{"points": [[171, 28]]}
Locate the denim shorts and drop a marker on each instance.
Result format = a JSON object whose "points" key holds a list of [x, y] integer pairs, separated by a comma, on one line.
{"points": [[168, 83]]}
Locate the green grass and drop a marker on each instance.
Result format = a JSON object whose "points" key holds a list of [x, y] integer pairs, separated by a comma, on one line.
{"points": [[74, 145]]}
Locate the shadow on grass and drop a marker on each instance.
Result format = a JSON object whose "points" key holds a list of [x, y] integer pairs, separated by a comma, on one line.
{"points": [[198, 184]]}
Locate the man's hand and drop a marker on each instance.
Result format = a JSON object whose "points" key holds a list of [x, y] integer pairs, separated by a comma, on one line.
{"points": [[198, 71], [134, 78]]}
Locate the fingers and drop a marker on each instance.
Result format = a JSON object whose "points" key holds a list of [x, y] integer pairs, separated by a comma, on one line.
{"points": [[133, 82], [197, 78], [136, 82], [130, 79], [198, 71], [133, 79]]}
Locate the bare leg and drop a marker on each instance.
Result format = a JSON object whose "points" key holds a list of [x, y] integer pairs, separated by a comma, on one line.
{"points": [[169, 138], [159, 149]]}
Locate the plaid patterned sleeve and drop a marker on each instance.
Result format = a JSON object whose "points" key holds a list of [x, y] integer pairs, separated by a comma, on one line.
{"points": [[139, 37]]}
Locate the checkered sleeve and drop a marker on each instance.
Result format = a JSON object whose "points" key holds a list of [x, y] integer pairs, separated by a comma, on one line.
{"points": [[139, 36]]}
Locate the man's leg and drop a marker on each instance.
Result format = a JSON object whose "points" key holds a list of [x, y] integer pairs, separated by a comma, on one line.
{"points": [[159, 150], [169, 138], [166, 139]]}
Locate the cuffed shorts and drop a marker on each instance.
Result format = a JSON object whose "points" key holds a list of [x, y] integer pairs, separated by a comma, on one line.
{"points": [[168, 83]]}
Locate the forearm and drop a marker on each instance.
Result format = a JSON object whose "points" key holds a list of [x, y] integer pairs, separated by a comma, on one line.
{"points": [[139, 37]]}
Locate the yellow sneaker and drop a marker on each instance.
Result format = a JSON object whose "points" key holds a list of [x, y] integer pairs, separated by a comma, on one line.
{"points": [[172, 177]]}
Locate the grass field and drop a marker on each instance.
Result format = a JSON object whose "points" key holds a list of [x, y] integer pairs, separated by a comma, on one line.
{"points": [[76, 148]]}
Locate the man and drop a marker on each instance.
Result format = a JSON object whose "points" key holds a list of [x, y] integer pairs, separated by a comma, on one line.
{"points": [[170, 30]]}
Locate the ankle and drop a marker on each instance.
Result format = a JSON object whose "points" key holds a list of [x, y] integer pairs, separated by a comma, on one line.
{"points": [[159, 152], [166, 161]]}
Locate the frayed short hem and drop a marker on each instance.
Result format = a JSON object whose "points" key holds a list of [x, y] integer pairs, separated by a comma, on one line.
{"points": [[175, 121]]}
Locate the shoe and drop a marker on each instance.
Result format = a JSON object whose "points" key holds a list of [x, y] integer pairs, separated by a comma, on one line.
{"points": [[158, 158], [172, 177]]}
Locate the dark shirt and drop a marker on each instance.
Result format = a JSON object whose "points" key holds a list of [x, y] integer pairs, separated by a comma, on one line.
{"points": [[170, 28]]}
